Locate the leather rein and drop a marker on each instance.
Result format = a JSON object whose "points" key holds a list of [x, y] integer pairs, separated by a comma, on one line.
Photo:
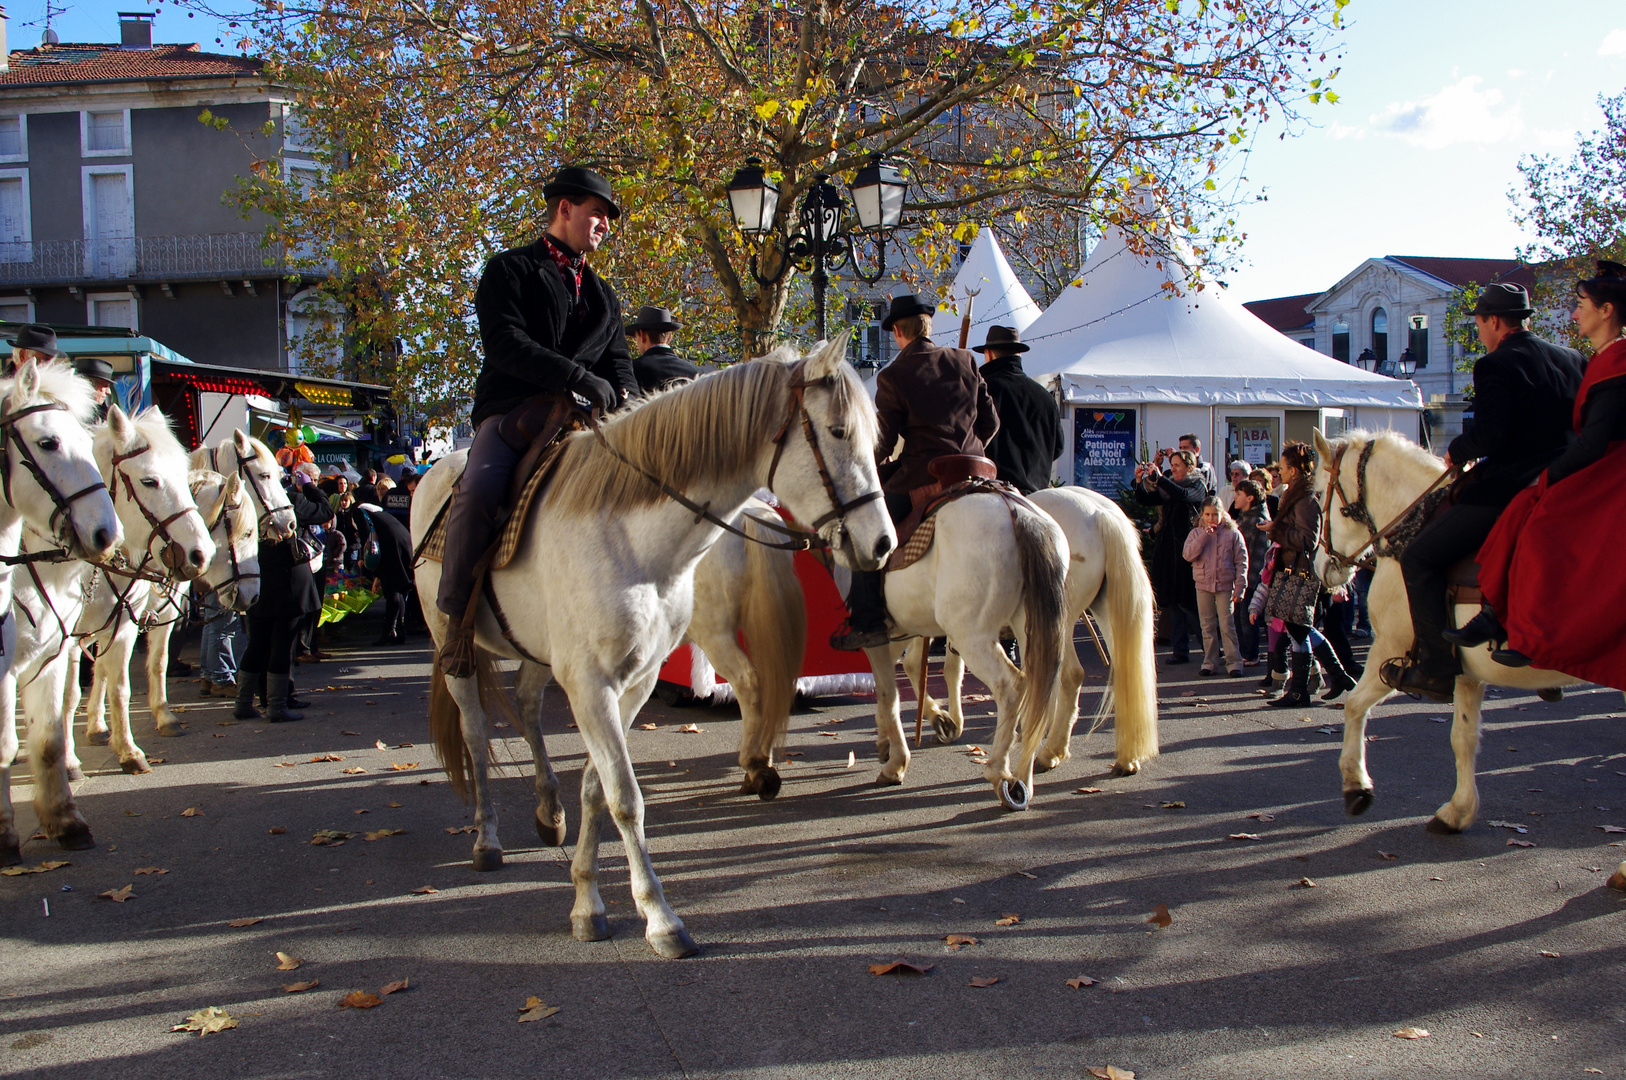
{"points": [[9, 437], [1367, 554]]}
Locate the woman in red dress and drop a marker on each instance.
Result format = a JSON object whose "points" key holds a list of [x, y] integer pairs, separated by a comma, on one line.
{"points": [[1555, 583]]}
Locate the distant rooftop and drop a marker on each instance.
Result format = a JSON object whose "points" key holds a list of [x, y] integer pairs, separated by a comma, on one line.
{"points": [[1284, 313], [92, 63], [1460, 272]]}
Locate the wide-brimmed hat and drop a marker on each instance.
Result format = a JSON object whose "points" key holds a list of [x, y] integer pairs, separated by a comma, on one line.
{"points": [[1506, 299], [1008, 338], [904, 306], [654, 320], [36, 337], [574, 180], [95, 368]]}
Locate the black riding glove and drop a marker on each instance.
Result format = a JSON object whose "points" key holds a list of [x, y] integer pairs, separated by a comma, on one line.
{"points": [[597, 391]]}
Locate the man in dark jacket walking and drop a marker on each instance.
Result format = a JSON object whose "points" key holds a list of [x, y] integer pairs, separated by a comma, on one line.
{"points": [[1030, 437], [657, 363], [549, 324], [933, 399], [1524, 393]]}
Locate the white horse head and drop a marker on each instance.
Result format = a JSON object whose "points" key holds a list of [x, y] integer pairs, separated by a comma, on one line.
{"points": [[1363, 491], [47, 469], [253, 462], [234, 575], [146, 471]]}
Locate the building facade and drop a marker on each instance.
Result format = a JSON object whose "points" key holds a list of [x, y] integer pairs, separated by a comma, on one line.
{"points": [[114, 207]]}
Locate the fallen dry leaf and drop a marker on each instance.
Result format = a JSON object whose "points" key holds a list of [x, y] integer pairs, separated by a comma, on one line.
{"points": [[1160, 916], [347, 732], [353, 770], [329, 838], [647, 727], [425, 891], [284, 765], [286, 962], [149, 870], [300, 987], [1612, 829], [378, 744], [1388, 856], [1087, 791], [379, 834], [192, 811], [1598, 1071], [362, 811], [207, 1021], [535, 1009], [1514, 841], [955, 941], [1304, 883], [359, 999], [1412, 1033], [852, 758], [403, 766], [1551, 955], [1110, 1072], [1024, 873], [119, 896], [1081, 982], [1173, 805], [245, 922], [1008, 919], [43, 868], [319, 758], [900, 967], [690, 729], [390, 988], [277, 830], [827, 734], [393, 805], [1515, 826], [1246, 836], [984, 980], [460, 828]]}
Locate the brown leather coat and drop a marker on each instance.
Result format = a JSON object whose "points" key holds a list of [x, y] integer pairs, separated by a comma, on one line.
{"points": [[1297, 529], [935, 401]]}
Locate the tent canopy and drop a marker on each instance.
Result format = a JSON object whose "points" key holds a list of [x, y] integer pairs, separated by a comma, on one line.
{"points": [[1119, 337], [1001, 301]]}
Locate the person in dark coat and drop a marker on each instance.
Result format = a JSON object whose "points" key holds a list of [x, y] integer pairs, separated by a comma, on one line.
{"points": [[1180, 492], [657, 363], [933, 399], [393, 575], [1524, 394], [288, 595], [549, 325], [1030, 436]]}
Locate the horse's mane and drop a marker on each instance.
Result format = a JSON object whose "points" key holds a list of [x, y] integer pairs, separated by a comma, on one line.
{"points": [[60, 383], [152, 426], [1417, 465], [739, 408]]}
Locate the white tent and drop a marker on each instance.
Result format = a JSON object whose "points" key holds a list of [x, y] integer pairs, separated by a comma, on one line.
{"points": [[1000, 298], [1137, 366]]}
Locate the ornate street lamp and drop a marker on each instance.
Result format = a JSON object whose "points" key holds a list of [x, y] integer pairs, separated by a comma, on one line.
{"points": [[1407, 364], [1366, 359], [754, 199]]}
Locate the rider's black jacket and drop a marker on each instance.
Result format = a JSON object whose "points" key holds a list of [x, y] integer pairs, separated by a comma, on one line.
{"points": [[1524, 395]]}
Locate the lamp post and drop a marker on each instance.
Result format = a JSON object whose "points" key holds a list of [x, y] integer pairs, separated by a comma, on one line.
{"points": [[1407, 364], [820, 243]]}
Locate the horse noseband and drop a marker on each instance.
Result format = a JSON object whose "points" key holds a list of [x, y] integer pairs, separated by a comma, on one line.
{"points": [[64, 503]]}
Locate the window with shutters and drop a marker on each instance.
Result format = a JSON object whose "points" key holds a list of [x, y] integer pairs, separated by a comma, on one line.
{"points": [[13, 138], [16, 309], [303, 178], [295, 136], [111, 309], [15, 227], [109, 209], [105, 134]]}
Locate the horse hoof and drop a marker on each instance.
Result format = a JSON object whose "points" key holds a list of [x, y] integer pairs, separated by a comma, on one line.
{"points": [[75, 773], [98, 738], [1013, 794], [1045, 764], [552, 833], [883, 780], [135, 766], [768, 785], [1438, 827], [1617, 880], [487, 859], [1357, 803], [675, 945], [1126, 770], [945, 730], [170, 731], [589, 927], [75, 836], [11, 852]]}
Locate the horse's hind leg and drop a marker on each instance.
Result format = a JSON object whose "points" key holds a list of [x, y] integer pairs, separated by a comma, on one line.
{"points": [[157, 679], [472, 721], [1058, 747], [1460, 812], [891, 744], [756, 734], [550, 812]]}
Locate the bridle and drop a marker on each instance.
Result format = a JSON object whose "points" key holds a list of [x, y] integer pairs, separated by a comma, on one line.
{"points": [[173, 552], [267, 511], [1375, 548], [228, 508], [61, 518]]}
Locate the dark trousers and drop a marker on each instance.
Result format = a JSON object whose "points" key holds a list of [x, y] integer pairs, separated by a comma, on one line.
{"points": [[1247, 631], [1454, 535], [471, 523], [1358, 589], [271, 644], [1180, 622], [866, 597], [394, 613], [1335, 627]]}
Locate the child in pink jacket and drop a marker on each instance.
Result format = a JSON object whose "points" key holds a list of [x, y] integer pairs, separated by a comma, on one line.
{"points": [[1219, 564]]}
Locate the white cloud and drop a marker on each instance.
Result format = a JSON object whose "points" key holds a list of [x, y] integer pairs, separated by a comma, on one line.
{"points": [[1614, 43], [1459, 113], [1344, 131]]}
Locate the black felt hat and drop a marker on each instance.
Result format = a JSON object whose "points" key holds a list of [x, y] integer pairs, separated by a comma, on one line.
{"points": [[94, 368], [654, 320], [1505, 299], [36, 337], [574, 180], [1008, 338], [904, 306]]}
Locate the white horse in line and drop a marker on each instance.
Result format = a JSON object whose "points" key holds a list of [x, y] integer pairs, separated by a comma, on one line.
{"points": [[50, 482], [602, 587], [1106, 579], [1399, 471]]}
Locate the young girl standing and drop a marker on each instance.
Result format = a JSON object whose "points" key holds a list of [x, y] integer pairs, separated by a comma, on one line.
{"points": [[1219, 564]]}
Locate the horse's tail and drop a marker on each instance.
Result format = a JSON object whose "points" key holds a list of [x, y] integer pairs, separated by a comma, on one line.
{"points": [[1129, 611], [1040, 544], [446, 719], [773, 619]]}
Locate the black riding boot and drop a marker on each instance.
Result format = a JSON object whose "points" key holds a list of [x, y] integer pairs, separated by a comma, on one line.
{"points": [[1338, 679], [1297, 695], [278, 711], [247, 683], [1479, 630], [866, 619], [1276, 666]]}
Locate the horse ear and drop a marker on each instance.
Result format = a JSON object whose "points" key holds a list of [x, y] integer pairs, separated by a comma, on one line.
{"points": [[240, 440], [217, 506], [233, 488], [28, 381], [827, 356], [118, 424], [1323, 449]]}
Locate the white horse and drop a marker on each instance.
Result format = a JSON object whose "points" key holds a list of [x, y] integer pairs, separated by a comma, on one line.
{"points": [[993, 564], [602, 587], [1107, 580], [1397, 472], [252, 462], [48, 480], [166, 544]]}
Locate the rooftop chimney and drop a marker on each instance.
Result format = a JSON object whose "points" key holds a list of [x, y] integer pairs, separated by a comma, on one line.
{"points": [[135, 29]]}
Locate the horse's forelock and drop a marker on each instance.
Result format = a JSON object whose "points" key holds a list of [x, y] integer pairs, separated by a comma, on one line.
{"points": [[56, 381]]}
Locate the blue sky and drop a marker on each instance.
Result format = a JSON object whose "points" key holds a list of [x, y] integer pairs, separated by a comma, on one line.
{"points": [[1438, 101]]}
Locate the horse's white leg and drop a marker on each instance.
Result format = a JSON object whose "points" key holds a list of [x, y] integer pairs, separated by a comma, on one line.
{"points": [[117, 682], [10, 843], [157, 679], [989, 663], [756, 735], [550, 812], [1386, 645], [70, 698], [587, 922], [1058, 747], [1460, 812], [96, 732], [53, 796], [891, 744], [954, 680], [487, 848]]}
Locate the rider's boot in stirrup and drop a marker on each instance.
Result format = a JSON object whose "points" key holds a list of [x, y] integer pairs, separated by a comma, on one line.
{"points": [[456, 658], [1482, 629]]}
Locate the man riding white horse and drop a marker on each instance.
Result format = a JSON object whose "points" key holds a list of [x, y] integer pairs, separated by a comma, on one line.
{"points": [[657, 363], [1030, 436], [933, 399], [549, 326], [1524, 393]]}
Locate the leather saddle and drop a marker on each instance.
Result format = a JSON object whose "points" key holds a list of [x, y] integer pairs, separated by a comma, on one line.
{"points": [[956, 476]]}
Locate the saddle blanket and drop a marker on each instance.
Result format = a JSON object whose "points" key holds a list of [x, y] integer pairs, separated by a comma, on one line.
{"points": [[433, 546]]}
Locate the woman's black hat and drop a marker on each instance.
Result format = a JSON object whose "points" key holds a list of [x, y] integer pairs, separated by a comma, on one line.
{"points": [[574, 180], [36, 337], [654, 320], [904, 306], [1008, 338]]}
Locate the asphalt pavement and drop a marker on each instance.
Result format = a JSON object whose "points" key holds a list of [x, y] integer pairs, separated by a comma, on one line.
{"points": [[1510, 957]]}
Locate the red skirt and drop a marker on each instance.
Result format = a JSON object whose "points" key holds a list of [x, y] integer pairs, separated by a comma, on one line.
{"points": [[1552, 569]]}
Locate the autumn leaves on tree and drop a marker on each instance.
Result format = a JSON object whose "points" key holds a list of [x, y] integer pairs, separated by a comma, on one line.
{"points": [[436, 123]]}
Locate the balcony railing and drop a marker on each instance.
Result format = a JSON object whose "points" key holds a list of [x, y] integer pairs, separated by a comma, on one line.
{"points": [[144, 259]]}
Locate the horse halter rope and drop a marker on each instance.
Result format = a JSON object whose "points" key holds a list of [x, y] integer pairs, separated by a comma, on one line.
{"points": [[838, 509], [267, 510], [1368, 553], [9, 437]]}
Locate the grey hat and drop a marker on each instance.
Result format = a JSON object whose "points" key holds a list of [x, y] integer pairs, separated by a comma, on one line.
{"points": [[94, 368], [1007, 338], [1505, 299], [38, 338]]}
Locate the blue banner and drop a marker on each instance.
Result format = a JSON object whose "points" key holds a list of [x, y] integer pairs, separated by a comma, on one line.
{"points": [[1103, 449]]}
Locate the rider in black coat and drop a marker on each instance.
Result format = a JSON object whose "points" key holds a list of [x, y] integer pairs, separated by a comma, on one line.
{"points": [[1029, 439], [657, 363]]}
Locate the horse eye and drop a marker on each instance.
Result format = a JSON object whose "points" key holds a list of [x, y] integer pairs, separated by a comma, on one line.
{"points": [[839, 432], [50, 446], [149, 482]]}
